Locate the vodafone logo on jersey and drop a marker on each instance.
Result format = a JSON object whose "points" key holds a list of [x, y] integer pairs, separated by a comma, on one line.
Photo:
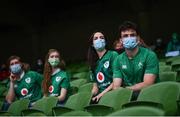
{"points": [[51, 89], [24, 91], [100, 77]]}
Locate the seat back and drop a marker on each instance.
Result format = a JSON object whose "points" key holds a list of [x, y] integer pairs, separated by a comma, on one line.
{"points": [[78, 82], [46, 104], [139, 111], [165, 93], [77, 113], [168, 76], [16, 107], [164, 68], [175, 65], [79, 100], [86, 87], [116, 98]]}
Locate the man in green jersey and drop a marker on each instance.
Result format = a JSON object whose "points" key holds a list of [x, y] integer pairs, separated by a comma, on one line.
{"points": [[137, 67], [23, 83]]}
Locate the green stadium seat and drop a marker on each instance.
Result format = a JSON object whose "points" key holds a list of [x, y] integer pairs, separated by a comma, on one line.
{"points": [[168, 76], [3, 89], [75, 102], [175, 65], [139, 111], [164, 68], [86, 87], [84, 75], [43, 105], [162, 63], [111, 101], [77, 113], [16, 107], [77, 83], [165, 93], [171, 59]]}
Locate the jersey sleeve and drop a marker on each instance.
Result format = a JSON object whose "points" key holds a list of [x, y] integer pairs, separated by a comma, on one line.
{"points": [[114, 55], [39, 78], [65, 83], [152, 64], [116, 68]]}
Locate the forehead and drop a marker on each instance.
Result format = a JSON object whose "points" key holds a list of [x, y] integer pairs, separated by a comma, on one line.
{"points": [[53, 53], [14, 60], [129, 31], [97, 34]]}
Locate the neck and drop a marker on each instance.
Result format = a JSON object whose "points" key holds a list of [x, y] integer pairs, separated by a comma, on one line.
{"points": [[132, 53], [18, 75], [101, 53], [54, 69]]}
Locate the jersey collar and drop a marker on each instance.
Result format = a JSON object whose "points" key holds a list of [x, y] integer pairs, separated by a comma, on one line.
{"points": [[56, 71], [21, 76], [104, 54]]}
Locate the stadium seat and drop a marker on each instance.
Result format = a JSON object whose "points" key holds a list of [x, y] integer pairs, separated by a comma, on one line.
{"points": [[86, 87], [77, 113], [84, 75], [175, 65], [111, 101], [139, 111], [16, 107], [77, 83], [165, 93], [164, 68], [75, 102], [43, 105], [167, 76]]}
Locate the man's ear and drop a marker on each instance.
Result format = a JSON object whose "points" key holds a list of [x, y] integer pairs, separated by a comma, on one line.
{"points": [[120, 39], [138, 39]]}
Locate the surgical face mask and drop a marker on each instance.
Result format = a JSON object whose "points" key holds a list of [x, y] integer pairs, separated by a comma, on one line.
{"points": [[99, 44], [53, 61], [16, 68], [130, 42]]}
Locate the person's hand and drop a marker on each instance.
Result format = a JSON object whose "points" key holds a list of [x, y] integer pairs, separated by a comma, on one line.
{"points": [[12, 77], [96, 98], [130, 87]]}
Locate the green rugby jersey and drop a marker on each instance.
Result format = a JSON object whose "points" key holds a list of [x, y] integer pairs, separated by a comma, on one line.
{"points": [[132, 70], [29, 86], [59, 79], [103, 72]]}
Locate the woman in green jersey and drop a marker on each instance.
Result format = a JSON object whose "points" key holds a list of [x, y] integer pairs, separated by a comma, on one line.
{"points": [[100, 60], [56, 81]]}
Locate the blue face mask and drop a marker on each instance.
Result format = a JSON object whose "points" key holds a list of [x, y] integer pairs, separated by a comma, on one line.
{"points": [[99, 44], [16, 68], [129, 42]]}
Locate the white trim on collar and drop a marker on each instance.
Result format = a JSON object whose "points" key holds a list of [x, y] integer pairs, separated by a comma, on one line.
{"points": [[56, 71], [21, 76]]}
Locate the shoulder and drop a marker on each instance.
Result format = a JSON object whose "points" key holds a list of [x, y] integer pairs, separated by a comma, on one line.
{"points": [[122, 55], [149, 54], [63, 74], [32, 73], [112, 52], [147, 51]]}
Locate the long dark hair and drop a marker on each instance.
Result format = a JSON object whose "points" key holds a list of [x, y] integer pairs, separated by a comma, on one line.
{"points": [[48, 70], [92, 55]]}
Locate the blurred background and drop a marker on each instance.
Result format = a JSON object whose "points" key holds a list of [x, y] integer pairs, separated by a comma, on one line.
{"points": [[29, 28]]}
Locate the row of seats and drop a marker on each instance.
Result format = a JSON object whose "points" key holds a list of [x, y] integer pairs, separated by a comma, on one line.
{"points": [[80, 85], [158, 99]]}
